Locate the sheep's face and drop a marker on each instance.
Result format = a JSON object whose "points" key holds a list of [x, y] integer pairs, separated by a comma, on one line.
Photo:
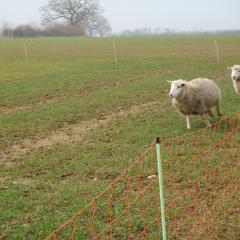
{"points": [[177, 88], [235, 72], [235, 77]]}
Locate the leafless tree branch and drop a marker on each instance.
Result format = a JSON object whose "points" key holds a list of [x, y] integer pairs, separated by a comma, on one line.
{"points": [[70, 11]]}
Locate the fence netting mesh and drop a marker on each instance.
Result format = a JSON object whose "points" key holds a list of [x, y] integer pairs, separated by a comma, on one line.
{"points": [[201, 175]]}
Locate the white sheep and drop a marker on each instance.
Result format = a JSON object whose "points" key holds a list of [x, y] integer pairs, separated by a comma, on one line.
{"points": [[235, 77], [195, 97]]}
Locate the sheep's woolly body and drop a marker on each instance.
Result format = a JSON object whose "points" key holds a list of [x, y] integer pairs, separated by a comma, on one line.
{"points": [[200, 95], [195, 98]]}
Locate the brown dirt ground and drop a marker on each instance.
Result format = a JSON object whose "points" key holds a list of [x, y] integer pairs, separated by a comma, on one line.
{"points": [[70, 133]]}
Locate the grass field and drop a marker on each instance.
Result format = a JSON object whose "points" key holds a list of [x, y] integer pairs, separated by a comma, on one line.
{"points": [[71, 120]]}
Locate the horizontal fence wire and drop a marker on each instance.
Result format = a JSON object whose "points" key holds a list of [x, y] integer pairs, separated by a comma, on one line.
{"points": [[201, 174]]}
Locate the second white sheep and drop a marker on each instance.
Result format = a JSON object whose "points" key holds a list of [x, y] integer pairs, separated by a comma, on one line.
{"points": [[235, 75]]}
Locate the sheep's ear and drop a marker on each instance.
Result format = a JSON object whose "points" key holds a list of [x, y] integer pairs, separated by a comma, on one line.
{"points": [[229, 68], [169, 81]]}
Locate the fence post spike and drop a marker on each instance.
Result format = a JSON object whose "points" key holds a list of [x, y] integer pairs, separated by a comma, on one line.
{"points": [[161, 192]]}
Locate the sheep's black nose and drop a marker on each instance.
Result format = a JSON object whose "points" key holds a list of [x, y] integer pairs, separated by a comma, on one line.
{"points": [[234, 78]]}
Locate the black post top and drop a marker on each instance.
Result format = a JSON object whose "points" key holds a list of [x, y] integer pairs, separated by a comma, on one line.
{"points": [[157, 140]]}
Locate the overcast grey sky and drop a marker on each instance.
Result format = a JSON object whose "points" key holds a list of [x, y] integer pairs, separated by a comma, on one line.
{"points": [[131, 14]]}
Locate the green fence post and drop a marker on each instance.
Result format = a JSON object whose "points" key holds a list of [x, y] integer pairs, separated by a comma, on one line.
{"points": [[160, 178]]}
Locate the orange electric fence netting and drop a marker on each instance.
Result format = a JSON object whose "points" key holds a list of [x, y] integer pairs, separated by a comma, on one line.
{"points": [[201, 175]]}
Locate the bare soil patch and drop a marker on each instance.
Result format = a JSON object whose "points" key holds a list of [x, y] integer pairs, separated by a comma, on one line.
{"points": [[72, 133]]}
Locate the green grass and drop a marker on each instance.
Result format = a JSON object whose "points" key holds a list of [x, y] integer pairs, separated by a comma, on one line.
{"points": [[71, 80]]}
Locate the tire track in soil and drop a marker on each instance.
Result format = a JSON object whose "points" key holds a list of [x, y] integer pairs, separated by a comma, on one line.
{"points": [[71, 133]]}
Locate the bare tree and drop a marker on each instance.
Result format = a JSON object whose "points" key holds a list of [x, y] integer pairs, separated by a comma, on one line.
{"points": [[97, 24], [69, 11], [6, 29]]}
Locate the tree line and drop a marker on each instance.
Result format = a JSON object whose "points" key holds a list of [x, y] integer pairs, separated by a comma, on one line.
{"points": [[64, 18], [169, 31]]}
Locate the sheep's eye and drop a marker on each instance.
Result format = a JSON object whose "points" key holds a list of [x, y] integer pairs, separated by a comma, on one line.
{"points": [[182, 85]]}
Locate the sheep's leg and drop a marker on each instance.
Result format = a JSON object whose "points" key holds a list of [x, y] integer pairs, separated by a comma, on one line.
{"points": [[236, 85], [188, 122], [219, 113], [207, 123], [210, 113]]}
